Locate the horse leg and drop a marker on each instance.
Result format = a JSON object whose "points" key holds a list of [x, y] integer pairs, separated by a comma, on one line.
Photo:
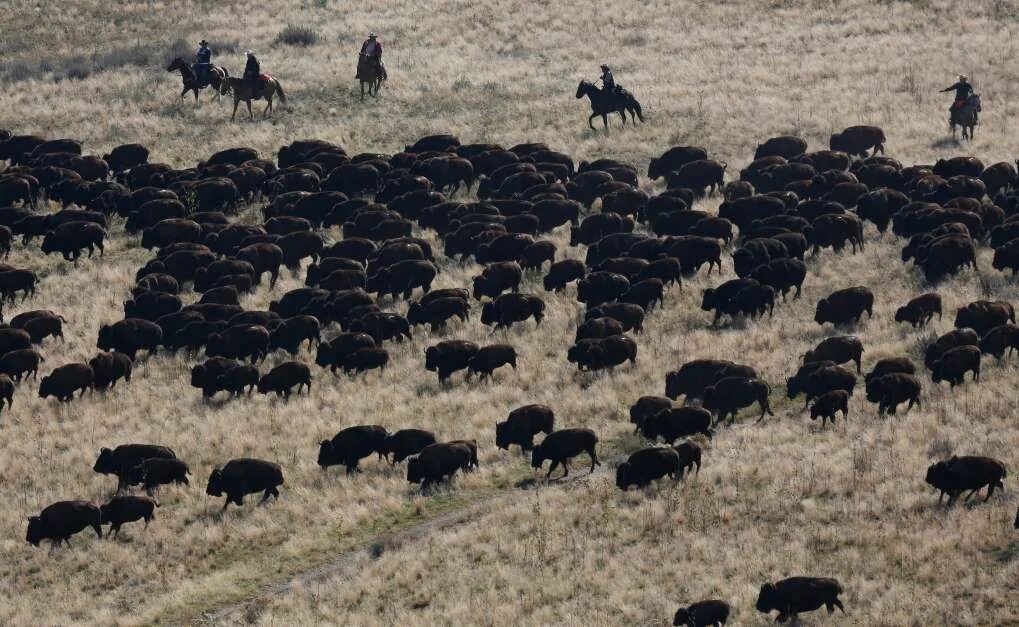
{"points": [[268, 107], [237, 101], [605, 120], [622, 114], [251, 116], [590, 120], [182, 94]]}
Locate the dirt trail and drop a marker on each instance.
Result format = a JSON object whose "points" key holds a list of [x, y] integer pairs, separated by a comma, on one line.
{"points": [[350, 562]]}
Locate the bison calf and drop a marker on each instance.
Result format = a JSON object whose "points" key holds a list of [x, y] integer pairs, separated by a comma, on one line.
{"points": [[125, 509], [703, 614]]}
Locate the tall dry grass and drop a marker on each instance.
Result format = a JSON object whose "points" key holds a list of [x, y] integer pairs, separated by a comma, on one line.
{"points": [[775, 499]]}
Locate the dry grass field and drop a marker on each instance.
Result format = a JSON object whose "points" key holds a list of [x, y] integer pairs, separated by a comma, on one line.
{"points": [[779, 498]]}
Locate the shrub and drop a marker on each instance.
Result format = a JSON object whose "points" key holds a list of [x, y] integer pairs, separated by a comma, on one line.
{"points": [[295, 35]]}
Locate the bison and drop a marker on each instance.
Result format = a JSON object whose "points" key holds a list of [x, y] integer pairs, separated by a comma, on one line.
{"points": [[562, 445], [799, 594], [242, 476]]}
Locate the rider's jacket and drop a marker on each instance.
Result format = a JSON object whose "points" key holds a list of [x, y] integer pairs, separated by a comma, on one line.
{"points": [[962, 90]]}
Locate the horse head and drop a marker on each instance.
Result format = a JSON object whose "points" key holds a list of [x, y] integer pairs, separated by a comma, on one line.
{"points": [[584, 88], [175, 65]]}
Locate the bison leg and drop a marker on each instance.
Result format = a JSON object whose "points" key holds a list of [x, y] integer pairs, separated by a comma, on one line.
{"points": [[594, 458], [555, 463]]}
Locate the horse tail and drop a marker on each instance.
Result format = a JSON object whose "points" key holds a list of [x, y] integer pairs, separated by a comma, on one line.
{"points": [[636, 107], [279, 88]]}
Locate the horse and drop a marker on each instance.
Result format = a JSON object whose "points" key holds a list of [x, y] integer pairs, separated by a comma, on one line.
{"points": [[370, 73], [966, 117], [217, 75], [241, 89], [602, 104]]}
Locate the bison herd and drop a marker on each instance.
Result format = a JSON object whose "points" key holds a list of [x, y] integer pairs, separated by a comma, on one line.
{"points": [[633, 249]]}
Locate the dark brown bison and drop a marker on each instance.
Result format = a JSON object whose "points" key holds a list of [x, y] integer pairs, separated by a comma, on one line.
{"points": [[857, 140], [1002, 338], [828, 405], [698, 175], [729, 395], [711, 613], [440, 461], [522, 424], [839, 350], [673, 159], [983, 315], [65, 380], [405, 443], [644, 466], [958, 337], [891, 390], [954, 363], [351, 445], [128, 508], [787, 146], [799, 594], [645, 407], [61, 520], [108, 368], [958, 474], [448, 356], [156, 471], [845, 306], [890, 365], [489, 358], [920, 310], [20, 363], [673, 423], [436, 312], [694, 377], [283, 378], [607, 352], [512, 307], [562, 445], [245, 476], [70, 238]]}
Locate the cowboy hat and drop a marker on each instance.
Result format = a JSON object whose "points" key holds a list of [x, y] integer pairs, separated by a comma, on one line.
{"points": [[203, 43], [963, 78], [249, 53], [371, 35], [604, 67]]}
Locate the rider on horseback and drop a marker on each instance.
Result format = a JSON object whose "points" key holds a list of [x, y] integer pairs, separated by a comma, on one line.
{"points": [[253, 74], [203, 61], [608, 83], [372, 49], [963, 90]]}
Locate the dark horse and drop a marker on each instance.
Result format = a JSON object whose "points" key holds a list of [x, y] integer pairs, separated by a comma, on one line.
{"points": [[603, 104], [217, 75], [965, 116], [371, 74]]}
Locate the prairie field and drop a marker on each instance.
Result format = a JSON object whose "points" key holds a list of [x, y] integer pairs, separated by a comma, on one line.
{"points": [[776, 498]]}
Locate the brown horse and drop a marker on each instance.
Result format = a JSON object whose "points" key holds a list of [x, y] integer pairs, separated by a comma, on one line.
{"points": [[370, 73], [242, 91], [217, 75], [966, 117]]}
